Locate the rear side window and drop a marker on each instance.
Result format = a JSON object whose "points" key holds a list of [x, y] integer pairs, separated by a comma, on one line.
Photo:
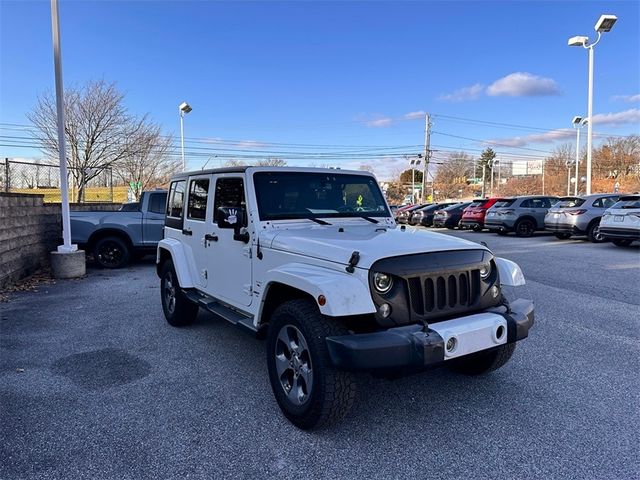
{"points": [[157, 202], [198, 193], [229, 193], [504, 203], [605, 202], [536, 203], [176, 199]]}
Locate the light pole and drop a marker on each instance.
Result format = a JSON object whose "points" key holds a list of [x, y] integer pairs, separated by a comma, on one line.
{"points": [[414, 162], [604, 24], [493, 166], [577, 123], [184, 108]]}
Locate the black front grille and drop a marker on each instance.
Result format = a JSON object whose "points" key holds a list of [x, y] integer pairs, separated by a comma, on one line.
{"points": [[437, 294]]}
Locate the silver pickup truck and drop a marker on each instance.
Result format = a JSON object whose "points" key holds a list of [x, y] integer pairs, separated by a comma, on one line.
{"points": [[114, 237]]}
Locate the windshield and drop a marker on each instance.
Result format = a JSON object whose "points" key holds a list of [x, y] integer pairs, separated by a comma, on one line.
{"points": [[569, 202], [290, 195]]}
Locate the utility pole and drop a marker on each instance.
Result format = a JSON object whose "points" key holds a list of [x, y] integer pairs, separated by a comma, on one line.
{"points": [[484, 169], [427, 155]]}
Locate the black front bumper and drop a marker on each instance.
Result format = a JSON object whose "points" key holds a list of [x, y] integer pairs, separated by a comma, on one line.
{"points": [[412, 347]]}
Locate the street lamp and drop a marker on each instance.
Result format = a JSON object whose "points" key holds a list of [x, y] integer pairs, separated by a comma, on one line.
{"points": [[577, 123], [604, 24], [184, 108], [414, 162]]}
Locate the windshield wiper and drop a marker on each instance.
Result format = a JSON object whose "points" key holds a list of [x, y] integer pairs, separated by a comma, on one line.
{"points": [[368, 219], [317, 220]]}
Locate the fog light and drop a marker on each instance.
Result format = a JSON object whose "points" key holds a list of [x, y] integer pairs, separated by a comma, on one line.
{"points": [[495, 291], [384, 310], [451, 344]]}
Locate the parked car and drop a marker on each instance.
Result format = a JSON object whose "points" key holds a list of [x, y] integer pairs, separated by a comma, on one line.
{"points": [[450, 216], [473, 215], [579, 216], [621, 222], [414, 218], [405, 215], [424, 216], [113, 237], [522, 215], [312, 260]]}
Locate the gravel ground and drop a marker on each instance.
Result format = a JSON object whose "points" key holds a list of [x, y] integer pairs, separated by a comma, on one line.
{"points": [[94, 384]]}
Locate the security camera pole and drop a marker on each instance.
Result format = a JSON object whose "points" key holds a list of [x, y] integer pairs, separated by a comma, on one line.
{"points": [[184, 109], [604, 24]]}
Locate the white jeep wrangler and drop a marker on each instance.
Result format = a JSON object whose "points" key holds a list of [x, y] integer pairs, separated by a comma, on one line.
{"points": [[313, 260]]}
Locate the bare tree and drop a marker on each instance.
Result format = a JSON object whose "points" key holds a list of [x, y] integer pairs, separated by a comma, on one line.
{"points": [[452, 175], [151, 164], [98, 129], [266, 162]]}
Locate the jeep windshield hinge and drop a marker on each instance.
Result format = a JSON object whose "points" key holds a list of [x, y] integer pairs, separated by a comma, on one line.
{"points": [[353, 261]]}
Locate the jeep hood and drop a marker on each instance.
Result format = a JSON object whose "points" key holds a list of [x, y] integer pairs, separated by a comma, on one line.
{"points": [[329, 243]]}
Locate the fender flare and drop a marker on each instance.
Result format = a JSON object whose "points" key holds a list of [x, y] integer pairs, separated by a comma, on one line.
{"points": [[176, 252], [510, 273], [346, 294]]}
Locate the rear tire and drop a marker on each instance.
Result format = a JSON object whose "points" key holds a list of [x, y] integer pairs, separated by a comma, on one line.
{"points": [[502, 233], [309, 390], [111, 252], [477, 228], [178, 309], [593, 234], [524, 228], [622, 242], [483, 362], [563, 236]]}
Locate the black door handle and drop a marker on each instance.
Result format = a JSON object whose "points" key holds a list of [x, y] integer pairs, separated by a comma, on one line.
{"points": [[210, 237], [186, 232]]}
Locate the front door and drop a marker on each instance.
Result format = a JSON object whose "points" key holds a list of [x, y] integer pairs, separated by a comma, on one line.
{"points": [[197, 218], [229, 260]]}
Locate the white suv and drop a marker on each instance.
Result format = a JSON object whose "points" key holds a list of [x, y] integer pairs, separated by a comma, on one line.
{"points": [[312, 260], [621, 222]]}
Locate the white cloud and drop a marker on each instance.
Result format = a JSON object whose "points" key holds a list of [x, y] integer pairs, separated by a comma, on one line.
{"points": [[627, 98], [546, 137], [414, 115], [379, 122], [523, 84], [630, 116], [465, 93]]}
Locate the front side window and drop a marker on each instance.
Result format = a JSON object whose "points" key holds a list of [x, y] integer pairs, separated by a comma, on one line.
{"points": [[198, 193], [176, 199], [294, 195], [229, 193]]}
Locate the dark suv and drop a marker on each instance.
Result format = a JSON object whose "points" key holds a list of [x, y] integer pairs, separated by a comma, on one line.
{"points": [[424, 216], [522, 215]]}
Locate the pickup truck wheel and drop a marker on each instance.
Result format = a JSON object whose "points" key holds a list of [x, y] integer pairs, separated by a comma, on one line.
{"points": [[178, 309], [309, 390], [111, 252], [483, 362]]}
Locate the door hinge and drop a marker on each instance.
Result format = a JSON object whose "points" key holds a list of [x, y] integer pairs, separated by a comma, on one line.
{"points": [[204, 274], [247, 288], [247, 251]]}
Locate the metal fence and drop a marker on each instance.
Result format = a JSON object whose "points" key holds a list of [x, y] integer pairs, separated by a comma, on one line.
{"points": [[44, 179]]}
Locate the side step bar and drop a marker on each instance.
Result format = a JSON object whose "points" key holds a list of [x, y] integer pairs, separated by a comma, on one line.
{"points": [[217, 308]]}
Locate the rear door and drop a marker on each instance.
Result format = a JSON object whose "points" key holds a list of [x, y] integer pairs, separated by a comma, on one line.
{"points": [[197, 216], [153, 217]]}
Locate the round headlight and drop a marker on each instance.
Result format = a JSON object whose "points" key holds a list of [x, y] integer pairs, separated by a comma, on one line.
{"points": [[382, 282], [485, 271]]}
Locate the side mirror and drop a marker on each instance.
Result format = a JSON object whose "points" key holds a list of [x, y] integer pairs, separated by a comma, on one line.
{"points": [[233, 217]]}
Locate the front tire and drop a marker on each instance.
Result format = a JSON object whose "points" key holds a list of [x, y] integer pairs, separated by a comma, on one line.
{"points": [[178, 309], [483, 362], [309, 390], [111, 252]]}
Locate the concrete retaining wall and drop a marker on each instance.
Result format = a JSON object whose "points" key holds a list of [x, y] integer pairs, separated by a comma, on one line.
{"points": [[29, 230]]}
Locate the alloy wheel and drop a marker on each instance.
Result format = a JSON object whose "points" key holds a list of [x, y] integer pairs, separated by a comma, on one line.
{"points": [[293, 364]]}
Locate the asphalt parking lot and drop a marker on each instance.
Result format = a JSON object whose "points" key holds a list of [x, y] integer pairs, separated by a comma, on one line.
{"points": [[95, 384]]}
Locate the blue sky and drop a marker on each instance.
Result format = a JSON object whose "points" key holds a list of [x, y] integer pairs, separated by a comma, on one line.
{"points": [[309, 74]]}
